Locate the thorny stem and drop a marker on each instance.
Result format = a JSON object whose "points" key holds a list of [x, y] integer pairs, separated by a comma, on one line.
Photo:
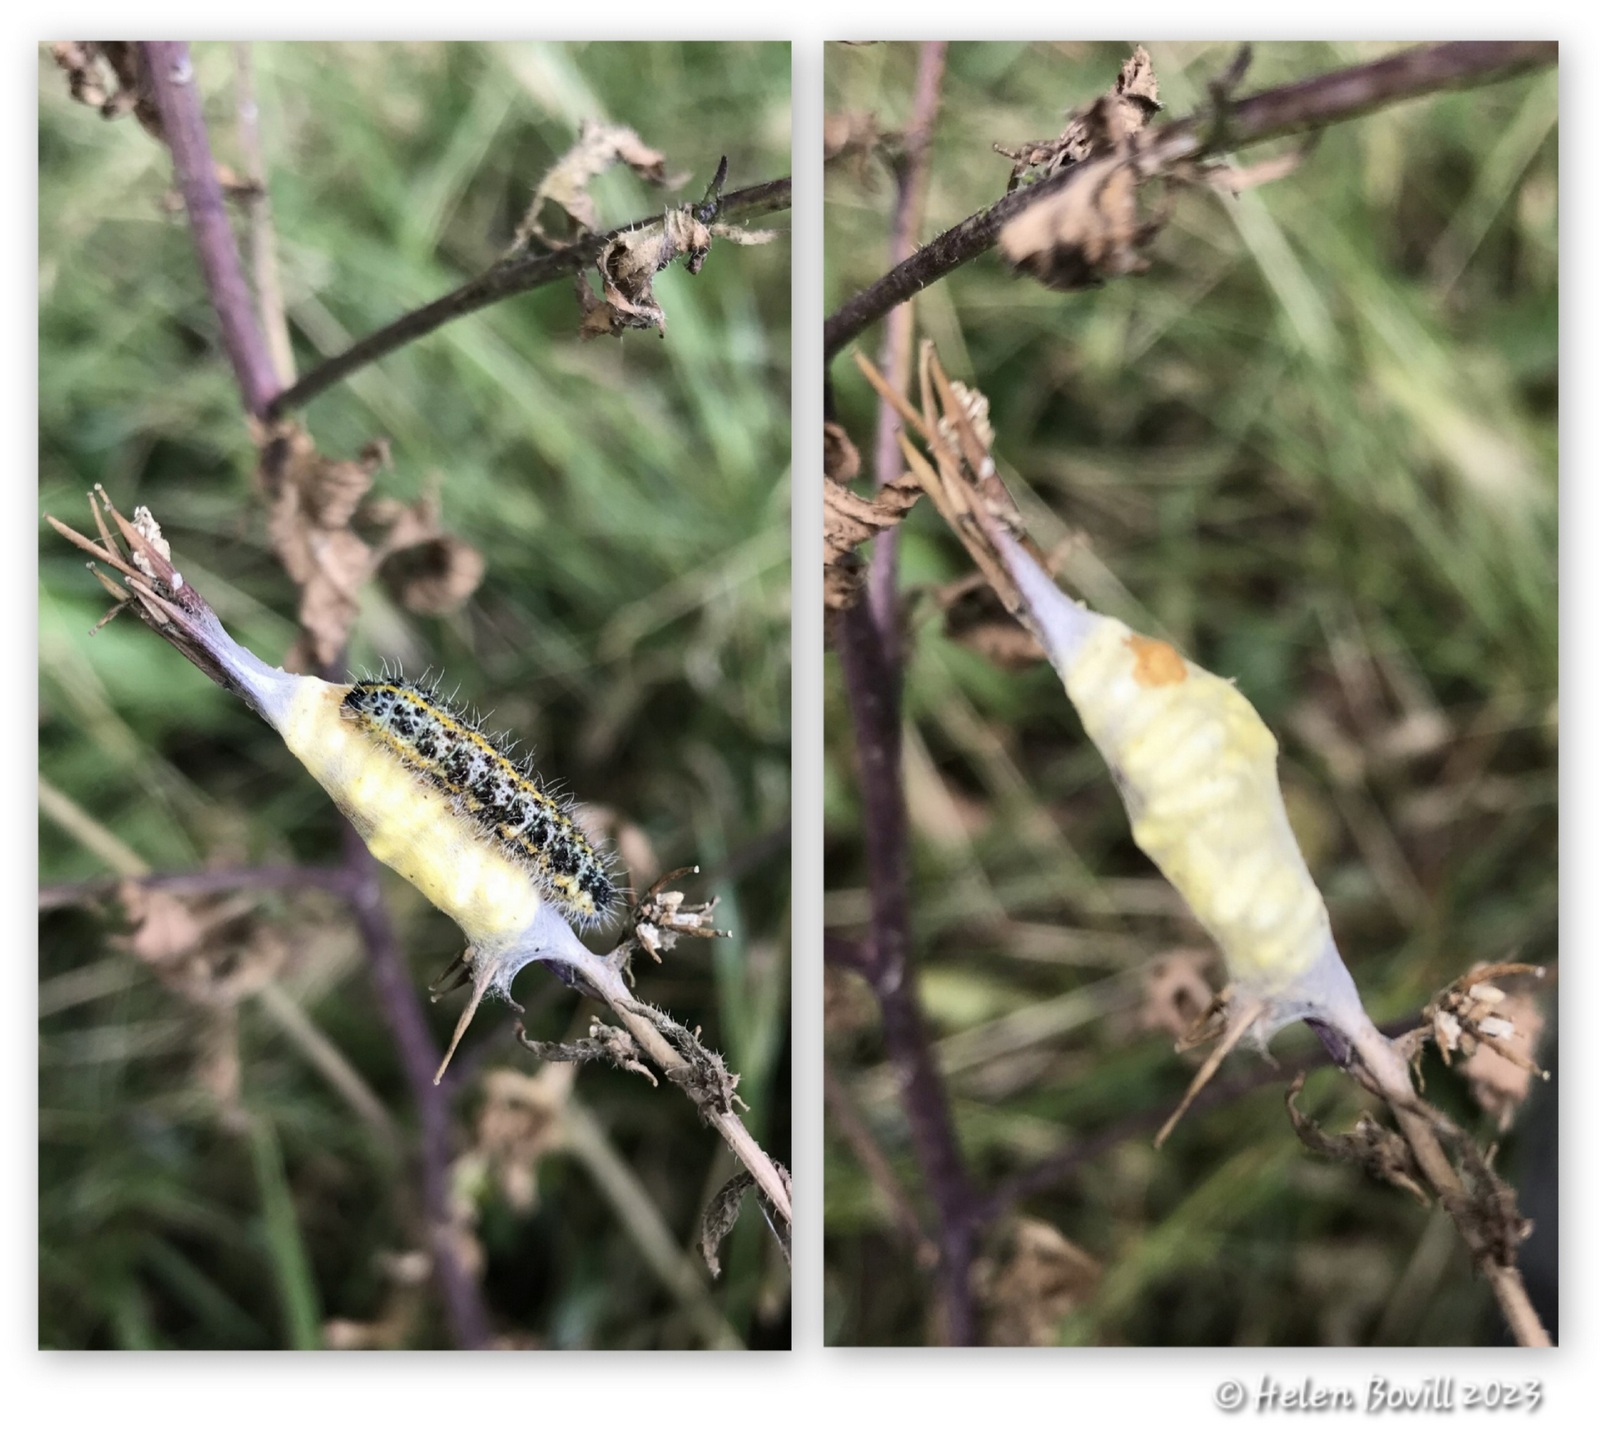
{"points": [[610, 987], [1271, 114], [911, 189], [1392, 1079], [419, 1055], [514, 275], [172, 80], [872, 687]]}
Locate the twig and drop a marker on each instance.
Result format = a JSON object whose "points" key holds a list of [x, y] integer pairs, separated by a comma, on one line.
{"points": [[263, 237], [514, 275], [1391, 1079], [610, 987], [419, 1055], [1271, 114], [172, 80]]}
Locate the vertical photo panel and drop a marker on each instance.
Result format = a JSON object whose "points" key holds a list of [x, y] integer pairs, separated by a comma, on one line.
{"points": [[414, 760], [1191, 706]]}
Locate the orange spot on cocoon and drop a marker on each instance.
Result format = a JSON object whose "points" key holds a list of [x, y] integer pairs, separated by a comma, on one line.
{"points": [[1156, 664]]}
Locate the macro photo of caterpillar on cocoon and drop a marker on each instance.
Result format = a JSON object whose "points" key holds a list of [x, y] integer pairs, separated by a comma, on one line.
{"points": [[1191, 910], [414, 752]]}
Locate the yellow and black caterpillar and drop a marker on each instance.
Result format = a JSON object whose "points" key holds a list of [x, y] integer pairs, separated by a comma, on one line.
{"points": [[501, 796]]}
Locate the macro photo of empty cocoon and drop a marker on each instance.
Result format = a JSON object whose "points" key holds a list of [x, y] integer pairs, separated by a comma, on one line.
{"points": [[414, 748], [1191, 732]]}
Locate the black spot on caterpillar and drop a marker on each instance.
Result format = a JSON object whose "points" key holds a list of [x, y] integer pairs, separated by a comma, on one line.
{"points": [[503, 797]]}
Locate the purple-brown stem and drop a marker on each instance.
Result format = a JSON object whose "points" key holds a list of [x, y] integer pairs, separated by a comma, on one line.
{"points": [[872, 688], [419, 1056], [172, 80]]}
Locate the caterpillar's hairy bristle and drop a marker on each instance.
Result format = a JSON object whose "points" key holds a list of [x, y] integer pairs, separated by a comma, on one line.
{"points": [[502, 795]]}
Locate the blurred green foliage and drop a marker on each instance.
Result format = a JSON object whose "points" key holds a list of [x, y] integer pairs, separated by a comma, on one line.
{"points": [[1315, 447], [631, 499]]}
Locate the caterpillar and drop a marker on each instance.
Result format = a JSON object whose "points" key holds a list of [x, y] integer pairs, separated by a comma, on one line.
{"points": [[503, 797], [430, 794]]}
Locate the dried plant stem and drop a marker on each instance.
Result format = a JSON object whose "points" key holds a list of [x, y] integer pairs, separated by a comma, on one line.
{"points": [[172, 80], [1271, 114], [514, 275], [1391, 1078], [612, 989]]}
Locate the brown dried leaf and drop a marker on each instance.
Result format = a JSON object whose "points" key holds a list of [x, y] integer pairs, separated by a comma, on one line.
{"points": [[109, 75], [1090, 231], [1501, 1075], [975, 617], [849, 519], [599, 146], [1380, 1152], [1037, 1282], [841, 460], [434, 576], [720, 1216], [311, 501], [213, 951], [1124, 110]]}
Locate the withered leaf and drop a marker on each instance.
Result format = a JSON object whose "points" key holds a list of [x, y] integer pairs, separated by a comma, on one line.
{"points": [[425, 569], [1125, 110], [1090, 230], [599, 146], [841, 460], [1176, 993], [849, 519], [311, 501], [213, 951], [1382, 1153], [723, 1211], [518, 1124], [110, 76]]}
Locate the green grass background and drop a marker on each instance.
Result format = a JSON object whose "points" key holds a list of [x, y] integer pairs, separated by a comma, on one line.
{"points": [[1315, 447], [632, 501]]}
